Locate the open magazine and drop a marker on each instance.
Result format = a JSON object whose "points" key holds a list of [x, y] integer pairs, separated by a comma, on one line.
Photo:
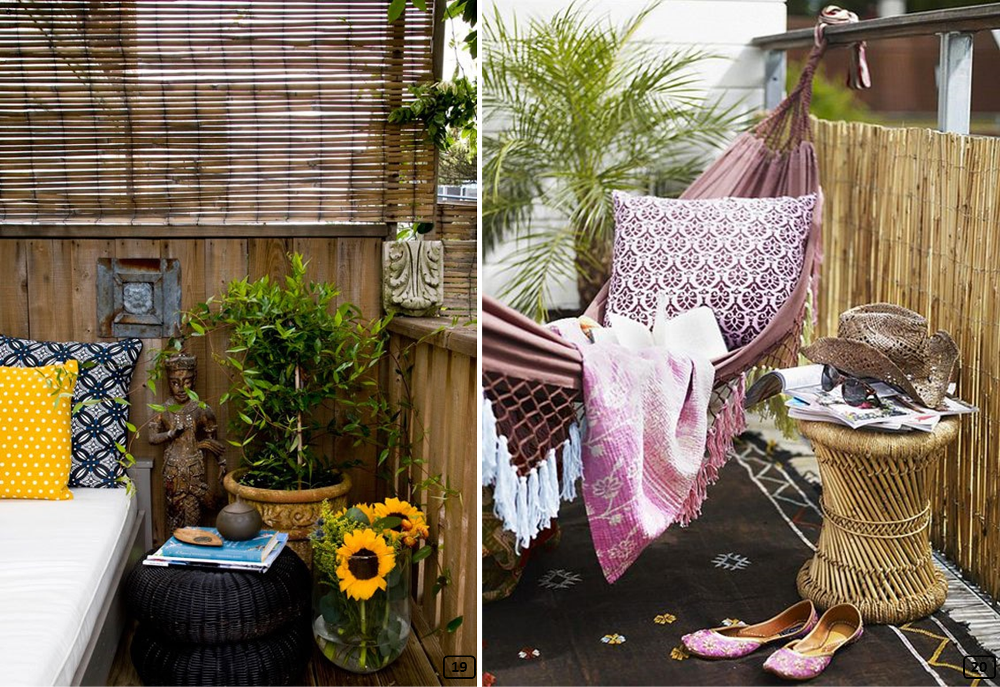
{"points": [[808, 401]]}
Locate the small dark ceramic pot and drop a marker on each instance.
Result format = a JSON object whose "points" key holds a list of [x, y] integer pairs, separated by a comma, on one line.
{"points": [[238, 521]]}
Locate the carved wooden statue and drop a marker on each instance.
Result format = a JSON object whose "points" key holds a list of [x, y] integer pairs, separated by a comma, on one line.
{"points": [[188, 433]]}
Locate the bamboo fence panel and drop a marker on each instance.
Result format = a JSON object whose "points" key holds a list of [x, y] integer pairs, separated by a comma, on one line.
{"points": [[182, 111], [437, 375], [456, 225], [911, 217]]}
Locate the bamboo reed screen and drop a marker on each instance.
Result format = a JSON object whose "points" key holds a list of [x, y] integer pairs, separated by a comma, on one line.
{"points": [[911, 217], [198, 112]]}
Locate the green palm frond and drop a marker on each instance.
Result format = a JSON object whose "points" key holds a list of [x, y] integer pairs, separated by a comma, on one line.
{"points": [[547, 258]]}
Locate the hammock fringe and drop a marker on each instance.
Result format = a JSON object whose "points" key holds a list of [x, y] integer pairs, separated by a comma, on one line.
{"points": [[527, 504], [728, 424]]}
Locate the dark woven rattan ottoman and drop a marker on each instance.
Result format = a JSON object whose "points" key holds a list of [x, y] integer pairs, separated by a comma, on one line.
{"points": [[200, 626]]}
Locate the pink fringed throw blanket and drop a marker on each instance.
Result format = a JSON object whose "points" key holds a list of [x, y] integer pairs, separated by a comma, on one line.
{"points": [[649, 453]]}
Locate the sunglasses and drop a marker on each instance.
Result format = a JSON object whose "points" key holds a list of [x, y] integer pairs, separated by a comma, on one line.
{"points": [[855, 392]]}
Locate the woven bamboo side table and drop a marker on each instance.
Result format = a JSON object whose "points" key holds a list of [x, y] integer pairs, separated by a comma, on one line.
{"points": [[874, 549]]}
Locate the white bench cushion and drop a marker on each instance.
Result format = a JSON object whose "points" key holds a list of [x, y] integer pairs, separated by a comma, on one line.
{"points": [[57, 562]]}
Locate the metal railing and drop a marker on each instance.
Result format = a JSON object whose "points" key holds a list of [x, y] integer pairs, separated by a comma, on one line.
{"points": [[955, 28]]}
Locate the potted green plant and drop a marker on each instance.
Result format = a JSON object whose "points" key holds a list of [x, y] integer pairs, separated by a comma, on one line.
{"points": [[292, 353]]}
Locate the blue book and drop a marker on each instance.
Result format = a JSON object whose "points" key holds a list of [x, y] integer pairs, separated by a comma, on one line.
{"points": [[250, 552]]}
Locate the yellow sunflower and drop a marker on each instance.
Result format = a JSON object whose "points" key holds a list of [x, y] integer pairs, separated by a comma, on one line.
{"points": [[365, 560], [396, 508]]}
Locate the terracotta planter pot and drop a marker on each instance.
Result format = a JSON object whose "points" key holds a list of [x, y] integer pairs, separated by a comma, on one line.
{"points": [[292, 511]]}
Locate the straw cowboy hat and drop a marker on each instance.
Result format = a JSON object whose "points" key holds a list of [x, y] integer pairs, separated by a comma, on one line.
{"points": [[890, 343]]}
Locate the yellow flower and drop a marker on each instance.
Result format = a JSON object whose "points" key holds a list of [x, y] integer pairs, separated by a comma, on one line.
{"points": [[664, 618], [412, 530], [365, 560], [679, 653], [412, 519], [396, 508]]}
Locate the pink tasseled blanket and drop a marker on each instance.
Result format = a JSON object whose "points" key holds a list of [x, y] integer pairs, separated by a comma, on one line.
{"points": [[646, 459]]}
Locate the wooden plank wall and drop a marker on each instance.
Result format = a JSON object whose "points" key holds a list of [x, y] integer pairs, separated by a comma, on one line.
{"points": [[49, 292], [910, 217], [441, 382]]}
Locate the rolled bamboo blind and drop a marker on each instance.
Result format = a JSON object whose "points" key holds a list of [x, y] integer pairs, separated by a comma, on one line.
{"points": [[211, 112]]}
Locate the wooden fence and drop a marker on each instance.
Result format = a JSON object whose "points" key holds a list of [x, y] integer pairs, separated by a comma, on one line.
{"points": [[438, 375], [49, 292], [911, 217]]}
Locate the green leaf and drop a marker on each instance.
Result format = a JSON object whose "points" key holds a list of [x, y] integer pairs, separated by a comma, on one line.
{"points": [[396, 8], [454, 624], [421, 553], [420, 5], [328, 608], [387, 523]]}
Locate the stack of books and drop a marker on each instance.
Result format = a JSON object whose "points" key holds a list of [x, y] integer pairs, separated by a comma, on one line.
{"points": [[896, 412], [255, 554]]}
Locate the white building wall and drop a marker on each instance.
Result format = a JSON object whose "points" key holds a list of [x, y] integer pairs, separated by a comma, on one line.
{"points": [[720, 27]]}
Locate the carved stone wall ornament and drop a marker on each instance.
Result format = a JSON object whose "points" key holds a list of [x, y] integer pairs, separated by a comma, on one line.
{"points": [[413, 277], [188, 433]]}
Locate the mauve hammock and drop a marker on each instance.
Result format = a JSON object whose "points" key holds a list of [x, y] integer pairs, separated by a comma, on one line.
{"points": [[532, 378]]}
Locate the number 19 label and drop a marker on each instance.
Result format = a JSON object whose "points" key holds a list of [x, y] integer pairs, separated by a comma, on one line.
{"points": [[459, 667]]}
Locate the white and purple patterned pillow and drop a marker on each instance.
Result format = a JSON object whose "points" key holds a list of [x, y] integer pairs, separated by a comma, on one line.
{"points": [[741, 257]]}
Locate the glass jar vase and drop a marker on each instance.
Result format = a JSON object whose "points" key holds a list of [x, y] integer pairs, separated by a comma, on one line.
{"points": [[363, 636]]}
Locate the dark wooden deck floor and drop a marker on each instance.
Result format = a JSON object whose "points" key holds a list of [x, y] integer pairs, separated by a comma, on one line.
{"points": [[420, 664]]}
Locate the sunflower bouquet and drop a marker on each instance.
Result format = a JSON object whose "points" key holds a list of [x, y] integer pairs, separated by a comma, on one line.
{"points": [[361, 559]]}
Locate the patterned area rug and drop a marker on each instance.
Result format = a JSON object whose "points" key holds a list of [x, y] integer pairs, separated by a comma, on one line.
{"points": [[565, 625]]}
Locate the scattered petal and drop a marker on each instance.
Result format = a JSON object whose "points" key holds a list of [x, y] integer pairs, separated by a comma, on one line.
{"points": [[489, 679], [613, 639], [732, 621], [664, 618], [679, 653], [528, 653]]}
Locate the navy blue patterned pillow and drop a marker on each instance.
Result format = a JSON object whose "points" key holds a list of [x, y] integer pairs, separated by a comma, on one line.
{"points": [[98, 427]]}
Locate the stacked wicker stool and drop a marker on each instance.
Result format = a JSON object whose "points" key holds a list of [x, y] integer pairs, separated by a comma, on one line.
{"points": [[200, 626], [874, 549]]}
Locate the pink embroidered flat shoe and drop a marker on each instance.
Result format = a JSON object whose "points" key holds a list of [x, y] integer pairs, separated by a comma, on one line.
{"points": [[806, 658], [736, 641]]}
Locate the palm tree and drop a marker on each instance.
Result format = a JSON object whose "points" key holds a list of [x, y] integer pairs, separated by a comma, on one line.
{"points": [[574, 109]]}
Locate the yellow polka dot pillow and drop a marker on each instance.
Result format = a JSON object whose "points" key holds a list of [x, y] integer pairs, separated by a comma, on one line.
{"points": [[35, 436]]}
